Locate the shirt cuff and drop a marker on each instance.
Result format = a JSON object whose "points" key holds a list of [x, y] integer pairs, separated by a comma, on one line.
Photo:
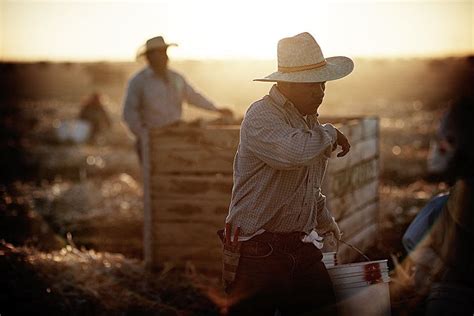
{"points": [[331, 130], [325, 219]]}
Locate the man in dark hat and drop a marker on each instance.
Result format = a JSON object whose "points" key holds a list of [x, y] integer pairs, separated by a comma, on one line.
{"points": [[155, 94]]}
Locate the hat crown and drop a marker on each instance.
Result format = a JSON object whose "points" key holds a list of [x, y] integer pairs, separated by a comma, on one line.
{"points": [[299, 50], [301, 60], [156, 42]]}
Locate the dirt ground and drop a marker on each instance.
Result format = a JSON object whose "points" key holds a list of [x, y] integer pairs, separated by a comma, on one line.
{"points": [[91, 193], [71, 220]]}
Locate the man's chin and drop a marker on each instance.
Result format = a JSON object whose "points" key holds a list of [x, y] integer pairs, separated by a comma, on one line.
{"points": [[316, 107]]}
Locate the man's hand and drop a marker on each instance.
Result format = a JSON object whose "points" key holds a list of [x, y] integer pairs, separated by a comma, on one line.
{"points": [[225, 112], [343, 142], [334, 229]]}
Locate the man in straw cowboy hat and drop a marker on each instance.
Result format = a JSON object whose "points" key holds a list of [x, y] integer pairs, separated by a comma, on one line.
{"points": [[155, 94], [272, 256]]}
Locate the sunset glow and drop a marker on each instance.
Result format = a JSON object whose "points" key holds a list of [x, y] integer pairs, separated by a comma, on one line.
{"points": [[206, 29]]}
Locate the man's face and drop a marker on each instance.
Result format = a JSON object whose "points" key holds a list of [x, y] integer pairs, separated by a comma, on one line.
{"points": [[307, 97], [158, 60]]}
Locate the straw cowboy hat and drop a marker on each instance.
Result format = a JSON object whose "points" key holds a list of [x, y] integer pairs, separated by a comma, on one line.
{"points": [[300, 59], [154, 43]]}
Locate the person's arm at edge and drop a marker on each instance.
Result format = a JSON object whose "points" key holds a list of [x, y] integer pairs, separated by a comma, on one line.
{"points": [[195, 98], [131, 109]]}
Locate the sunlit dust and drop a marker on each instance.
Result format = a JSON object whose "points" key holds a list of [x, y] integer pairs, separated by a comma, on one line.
{"points": [[207, 29]]}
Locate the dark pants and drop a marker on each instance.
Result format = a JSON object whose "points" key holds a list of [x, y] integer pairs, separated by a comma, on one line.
{"points": [[279, 271]]}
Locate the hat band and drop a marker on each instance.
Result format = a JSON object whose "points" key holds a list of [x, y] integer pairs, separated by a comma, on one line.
{"points": [[301, 68]]}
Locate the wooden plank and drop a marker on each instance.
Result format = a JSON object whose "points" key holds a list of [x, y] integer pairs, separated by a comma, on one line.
{"points": [[370, 127], [352, 129], [224, 137], [194, 149], [193, 159], [350, 179], [355, 134], [363, 150], [356, 128], [363, 240], [355, 222], [206, 187], [190, 210], [344, 205]]}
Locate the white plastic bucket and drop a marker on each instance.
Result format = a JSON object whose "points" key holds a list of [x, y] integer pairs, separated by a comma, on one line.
{"points": [[361, 288], [329, 259]]}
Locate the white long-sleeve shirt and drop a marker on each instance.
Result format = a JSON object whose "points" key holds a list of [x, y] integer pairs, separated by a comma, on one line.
{"points": [[151, 102], [279, 168]]}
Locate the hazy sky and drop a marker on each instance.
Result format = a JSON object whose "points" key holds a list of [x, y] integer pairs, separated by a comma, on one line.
{"points": [[113, 30]]}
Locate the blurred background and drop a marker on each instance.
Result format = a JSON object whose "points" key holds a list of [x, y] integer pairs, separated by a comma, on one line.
{"points": [[71, 218]]}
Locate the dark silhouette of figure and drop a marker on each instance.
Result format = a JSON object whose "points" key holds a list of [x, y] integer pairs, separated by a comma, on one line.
{"points": [[442, 263], [93, 111]]}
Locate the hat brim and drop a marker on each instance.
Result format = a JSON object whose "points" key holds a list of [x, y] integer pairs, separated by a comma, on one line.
{"points": [[336, 68], [143, 50]]}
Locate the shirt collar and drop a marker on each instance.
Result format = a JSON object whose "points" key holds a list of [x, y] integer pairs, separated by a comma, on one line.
{"points": [[149, 72], [278, 97]]}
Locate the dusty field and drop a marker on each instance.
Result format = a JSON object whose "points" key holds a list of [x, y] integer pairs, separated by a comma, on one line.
{"points": [[71, 215]]}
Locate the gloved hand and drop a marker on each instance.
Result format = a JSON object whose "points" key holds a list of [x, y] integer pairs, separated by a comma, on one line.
{"points": [[334, 229]]}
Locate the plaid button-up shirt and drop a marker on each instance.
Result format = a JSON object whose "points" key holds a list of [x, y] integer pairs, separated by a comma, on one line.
{"points": [[152, 102], [279, 169]]}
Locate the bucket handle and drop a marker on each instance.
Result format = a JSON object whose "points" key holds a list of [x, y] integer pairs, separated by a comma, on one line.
{"points": [[353, 248], [349, 245]]}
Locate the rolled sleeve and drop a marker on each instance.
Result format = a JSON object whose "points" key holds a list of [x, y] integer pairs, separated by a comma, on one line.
{"points": [[195, 98], [281, 146], [331, 130]]}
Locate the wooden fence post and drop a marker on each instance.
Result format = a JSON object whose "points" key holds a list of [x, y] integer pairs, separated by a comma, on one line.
{"points": [[149, 248]]}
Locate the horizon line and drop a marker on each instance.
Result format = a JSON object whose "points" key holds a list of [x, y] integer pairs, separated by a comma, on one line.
{"points": [[224, 59]]}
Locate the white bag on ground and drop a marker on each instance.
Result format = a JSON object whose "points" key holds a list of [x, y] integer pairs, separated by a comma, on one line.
{"points": [[76, 131]]}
